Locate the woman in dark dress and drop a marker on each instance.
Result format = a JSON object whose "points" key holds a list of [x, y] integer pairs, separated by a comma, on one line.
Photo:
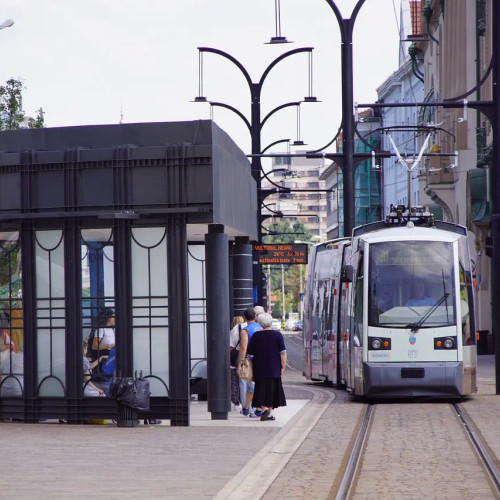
{"points": [[268, 354]]}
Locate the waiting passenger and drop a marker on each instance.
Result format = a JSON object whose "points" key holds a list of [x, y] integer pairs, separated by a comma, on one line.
{"points": [[419, 296], [104, 338], [89, 388]]}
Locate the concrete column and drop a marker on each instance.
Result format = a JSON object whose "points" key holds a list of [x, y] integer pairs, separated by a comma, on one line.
{"points": [[217, 287]]}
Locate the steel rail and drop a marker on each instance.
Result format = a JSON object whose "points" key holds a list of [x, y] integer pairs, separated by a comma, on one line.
{"points": [[353, 463], [479, 448]]}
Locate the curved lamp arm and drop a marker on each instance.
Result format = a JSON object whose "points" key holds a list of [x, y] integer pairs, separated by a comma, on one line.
{"points": [[274, 144], [329, 144], [232, 59], [345, 24], [234, 110], [280, 58], [271, 113]]}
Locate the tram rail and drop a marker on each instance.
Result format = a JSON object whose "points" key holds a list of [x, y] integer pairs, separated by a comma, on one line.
{"points": [[479, 447], [352, 466], [352, 469]]}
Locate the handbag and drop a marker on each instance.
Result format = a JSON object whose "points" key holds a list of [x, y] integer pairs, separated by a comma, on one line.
{"points": [[246, 370]]}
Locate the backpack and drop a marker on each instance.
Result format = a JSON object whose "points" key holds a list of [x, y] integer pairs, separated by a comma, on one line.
{"points": [[234, 353], [90, 341]]}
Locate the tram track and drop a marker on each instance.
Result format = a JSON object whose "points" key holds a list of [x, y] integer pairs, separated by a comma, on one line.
{"points": [[352, 466], [349, 477], [479, 447]]}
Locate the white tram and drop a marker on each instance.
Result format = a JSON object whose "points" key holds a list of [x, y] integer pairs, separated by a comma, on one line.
{"points": [[389, 312]]}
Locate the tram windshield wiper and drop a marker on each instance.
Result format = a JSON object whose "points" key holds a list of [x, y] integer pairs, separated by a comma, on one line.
{"points": [[417, 324]]}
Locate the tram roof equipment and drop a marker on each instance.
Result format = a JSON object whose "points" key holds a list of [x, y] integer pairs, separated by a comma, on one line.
{"points": [[400, 215]]}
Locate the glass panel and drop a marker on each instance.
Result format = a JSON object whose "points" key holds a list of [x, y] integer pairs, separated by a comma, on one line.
{"points": [[150, 306], [197, 304], [11, 316], [98, 318], [50, 313], [411, 284]]}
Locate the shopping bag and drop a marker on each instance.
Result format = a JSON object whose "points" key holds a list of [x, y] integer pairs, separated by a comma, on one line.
{"points": [[246, 370]]}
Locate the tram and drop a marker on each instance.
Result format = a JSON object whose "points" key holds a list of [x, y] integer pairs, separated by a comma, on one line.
{"points": [[389, 312]]}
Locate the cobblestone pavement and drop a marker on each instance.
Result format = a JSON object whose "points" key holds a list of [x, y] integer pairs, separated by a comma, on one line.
{"points": [[311, 471], [417, 451], [296, 456]]}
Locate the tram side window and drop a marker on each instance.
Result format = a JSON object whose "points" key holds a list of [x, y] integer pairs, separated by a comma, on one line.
{"points": [[358, 303], [465, 291]]}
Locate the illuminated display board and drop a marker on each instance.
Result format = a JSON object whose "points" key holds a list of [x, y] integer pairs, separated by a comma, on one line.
{"points": [[282, 253]]}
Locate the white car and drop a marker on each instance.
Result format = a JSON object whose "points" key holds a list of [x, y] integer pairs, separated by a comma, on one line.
{"points": [[276, 324]]}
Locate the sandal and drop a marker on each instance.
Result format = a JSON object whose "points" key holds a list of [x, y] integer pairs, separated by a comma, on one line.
{"points": [[267, 416]]}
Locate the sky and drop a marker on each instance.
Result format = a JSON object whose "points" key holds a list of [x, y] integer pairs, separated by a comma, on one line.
{"points": [[101, 61]]}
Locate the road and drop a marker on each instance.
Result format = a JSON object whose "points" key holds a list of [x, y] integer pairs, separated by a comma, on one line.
{"points": [[293, 342]]}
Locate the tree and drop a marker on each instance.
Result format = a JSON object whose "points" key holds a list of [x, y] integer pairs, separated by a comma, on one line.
{"points": [[284, 232], [12, 114]]}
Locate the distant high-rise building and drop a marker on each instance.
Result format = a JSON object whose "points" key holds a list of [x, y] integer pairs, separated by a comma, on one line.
{"points": [[307, 201]]}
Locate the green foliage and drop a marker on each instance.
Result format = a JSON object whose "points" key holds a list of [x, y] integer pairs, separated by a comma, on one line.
{"points": [[38, 121], [12, 114], [284, 232]]}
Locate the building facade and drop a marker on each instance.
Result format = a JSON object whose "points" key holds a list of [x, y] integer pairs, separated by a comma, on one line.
{"points": [[456, 55], [307, 201]]}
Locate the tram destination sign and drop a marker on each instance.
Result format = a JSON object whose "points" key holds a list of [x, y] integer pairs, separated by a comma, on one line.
{"points": [[282, 253]]}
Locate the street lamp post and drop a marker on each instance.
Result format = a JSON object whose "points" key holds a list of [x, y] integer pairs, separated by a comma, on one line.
{"points": [[255, 125], [302, 287], [346, 159]]}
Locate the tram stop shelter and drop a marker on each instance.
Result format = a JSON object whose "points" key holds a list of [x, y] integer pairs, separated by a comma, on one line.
{"points": [[151, 219]]}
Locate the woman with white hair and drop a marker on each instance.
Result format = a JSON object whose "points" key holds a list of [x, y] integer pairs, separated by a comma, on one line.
{"points": [[268, 354]]}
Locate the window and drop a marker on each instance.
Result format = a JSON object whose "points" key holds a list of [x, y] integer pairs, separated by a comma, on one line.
{"points": [[407, 280]]}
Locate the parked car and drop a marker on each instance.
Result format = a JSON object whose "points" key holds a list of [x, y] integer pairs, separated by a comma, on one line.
{"points": [[276, 324], [298, 326], [290, 324]]}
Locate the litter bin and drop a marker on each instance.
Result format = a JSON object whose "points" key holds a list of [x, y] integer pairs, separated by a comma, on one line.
{"points": [[127, 417], [132, 395]]}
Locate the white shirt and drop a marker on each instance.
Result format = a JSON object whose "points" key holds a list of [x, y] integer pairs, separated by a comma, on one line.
{"points": [[107, 335], [234, 335]]}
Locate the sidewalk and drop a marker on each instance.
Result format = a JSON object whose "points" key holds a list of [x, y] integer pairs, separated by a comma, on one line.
{"points": [[296, 455]]}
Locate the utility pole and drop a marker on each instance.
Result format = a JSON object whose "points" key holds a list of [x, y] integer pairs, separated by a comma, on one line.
{"points": [[282, 293], [495, 189], [269, 291]]}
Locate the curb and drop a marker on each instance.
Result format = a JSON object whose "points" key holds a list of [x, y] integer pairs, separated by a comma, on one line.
{"points": [[263, 468]]}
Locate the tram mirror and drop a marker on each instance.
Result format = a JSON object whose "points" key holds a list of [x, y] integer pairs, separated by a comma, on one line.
{"points": [[347, 273]]}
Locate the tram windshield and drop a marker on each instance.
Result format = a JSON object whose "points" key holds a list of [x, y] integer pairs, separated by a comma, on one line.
{"points": [[411, 285]]}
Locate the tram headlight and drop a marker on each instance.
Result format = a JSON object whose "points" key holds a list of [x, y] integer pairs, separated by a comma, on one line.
{"points": [[448, 343], [379, 343]]}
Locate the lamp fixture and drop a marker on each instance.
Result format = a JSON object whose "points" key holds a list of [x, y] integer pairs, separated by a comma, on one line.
{"points": [[298, 141], [200, 97], [277, 17], [310, 97]]}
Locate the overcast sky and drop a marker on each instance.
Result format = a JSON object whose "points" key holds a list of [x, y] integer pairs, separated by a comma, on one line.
{"points": [[87, 62]]}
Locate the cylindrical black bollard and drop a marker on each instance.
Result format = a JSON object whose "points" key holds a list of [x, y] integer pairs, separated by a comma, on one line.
{"points": [[217, 286], [242, 275]]}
